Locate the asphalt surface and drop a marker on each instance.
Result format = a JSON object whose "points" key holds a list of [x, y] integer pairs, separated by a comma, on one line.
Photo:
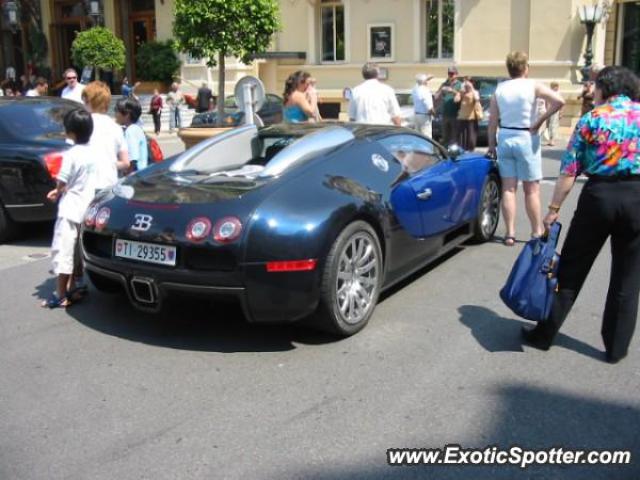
{"points": [[101, 391]]}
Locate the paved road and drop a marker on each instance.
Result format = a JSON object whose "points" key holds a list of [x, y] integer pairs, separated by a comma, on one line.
{"points": [[102, 392]]}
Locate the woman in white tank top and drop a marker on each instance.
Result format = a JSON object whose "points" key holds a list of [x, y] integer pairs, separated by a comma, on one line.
{"points": [[513, 108]]}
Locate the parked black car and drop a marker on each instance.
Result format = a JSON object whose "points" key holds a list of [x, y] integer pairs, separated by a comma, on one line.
{"points": [[31, 144], [486, 86], [270, 113]]}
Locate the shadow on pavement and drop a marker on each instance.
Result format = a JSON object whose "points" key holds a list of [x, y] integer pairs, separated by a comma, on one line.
{"points": [[529, 418], [498, 334], [416, 275], [185, 324]]}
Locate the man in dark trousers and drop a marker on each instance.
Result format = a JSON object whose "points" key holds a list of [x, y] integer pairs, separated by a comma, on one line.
{"points": [[446, 94], [203, 99]]}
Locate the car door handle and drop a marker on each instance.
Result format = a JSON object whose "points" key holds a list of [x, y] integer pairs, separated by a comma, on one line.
{"points": [[425, 194]]}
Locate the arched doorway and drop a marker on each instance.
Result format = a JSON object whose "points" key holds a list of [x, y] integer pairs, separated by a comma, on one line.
{"points": [[140, 26], [69, 17], [631, 36]]}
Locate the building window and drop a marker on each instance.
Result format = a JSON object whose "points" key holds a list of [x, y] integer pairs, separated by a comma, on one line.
{"points": [[631, 36], [439, 28], [332, 31]]}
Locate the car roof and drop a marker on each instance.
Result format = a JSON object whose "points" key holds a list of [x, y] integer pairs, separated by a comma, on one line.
{"points": [[8, 101], [359, 130]]}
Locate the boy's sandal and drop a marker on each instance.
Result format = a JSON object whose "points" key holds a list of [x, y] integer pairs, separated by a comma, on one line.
{"points": [[77, 294], [509, 241], [55, 302]]}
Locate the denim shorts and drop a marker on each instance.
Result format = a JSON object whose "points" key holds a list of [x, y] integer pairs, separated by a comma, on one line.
{"points": [[519, 155]]}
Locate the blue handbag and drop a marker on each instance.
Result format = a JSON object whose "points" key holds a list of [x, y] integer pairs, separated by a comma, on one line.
{"points": [[532, 283]]}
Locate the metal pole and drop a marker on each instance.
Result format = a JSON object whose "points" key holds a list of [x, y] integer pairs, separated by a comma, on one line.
{"points": [[588, 54], [247, 97]]}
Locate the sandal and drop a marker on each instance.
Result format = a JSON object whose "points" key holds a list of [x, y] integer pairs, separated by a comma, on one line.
{"points": [[77, 294], [509, 241], [55, 302]]}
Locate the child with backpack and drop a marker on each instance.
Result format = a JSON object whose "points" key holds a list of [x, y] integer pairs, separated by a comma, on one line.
{"points": [[75, 189], [128, 111]]}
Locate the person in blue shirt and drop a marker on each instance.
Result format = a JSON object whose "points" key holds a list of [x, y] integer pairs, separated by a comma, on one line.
{"points": [[128, 111], [126, 88], [296, 106]]}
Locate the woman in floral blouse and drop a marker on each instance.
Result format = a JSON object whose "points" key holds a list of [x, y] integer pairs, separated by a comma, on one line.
{"points": [[605, 146]]}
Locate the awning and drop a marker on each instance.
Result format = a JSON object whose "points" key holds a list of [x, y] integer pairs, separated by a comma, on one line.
{"points": [[280, 55]]}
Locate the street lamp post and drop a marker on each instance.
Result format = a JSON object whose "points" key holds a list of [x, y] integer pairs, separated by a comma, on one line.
{"points": [[94, 8], [590, 16]]}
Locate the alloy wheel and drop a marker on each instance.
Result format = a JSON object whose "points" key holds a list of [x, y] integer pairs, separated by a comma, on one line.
{"points": [[357, 278]]}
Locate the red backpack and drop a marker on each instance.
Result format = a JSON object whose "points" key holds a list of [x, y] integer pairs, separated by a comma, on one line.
{"points": [[154, 151]]}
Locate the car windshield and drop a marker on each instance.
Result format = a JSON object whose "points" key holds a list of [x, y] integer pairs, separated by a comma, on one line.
{"points": [[405, 99], [34, 120], [486, 87]]}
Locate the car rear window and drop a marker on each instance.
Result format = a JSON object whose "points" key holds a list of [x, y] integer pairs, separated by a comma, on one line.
{"points": [[268, 154], [34, 120]]}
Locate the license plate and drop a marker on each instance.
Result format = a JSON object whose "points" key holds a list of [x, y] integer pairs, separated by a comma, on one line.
{"points": [[145, 252]]}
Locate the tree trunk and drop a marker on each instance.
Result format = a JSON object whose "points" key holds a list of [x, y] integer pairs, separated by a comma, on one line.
{"points": [[221, 68]]}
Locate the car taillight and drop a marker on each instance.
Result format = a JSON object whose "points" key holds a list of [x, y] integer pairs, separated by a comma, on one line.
{"points": [[102, 217], [90, 216], [198, 229], [292, 265], [53, 162], [227, 230]]}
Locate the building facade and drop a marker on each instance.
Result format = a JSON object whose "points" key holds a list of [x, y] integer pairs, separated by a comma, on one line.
{"points": [[332, 39]]}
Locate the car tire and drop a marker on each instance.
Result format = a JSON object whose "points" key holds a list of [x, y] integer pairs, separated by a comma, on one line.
{"points": [[351, 281], [488, 216], [104, 284], [8, 227]]}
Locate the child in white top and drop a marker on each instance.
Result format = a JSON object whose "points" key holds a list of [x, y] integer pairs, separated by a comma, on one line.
{"points": [[75, 188]]}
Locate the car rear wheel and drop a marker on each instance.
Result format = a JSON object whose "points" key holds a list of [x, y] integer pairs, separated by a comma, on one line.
{"points": [[8, 227], [488, 211], [104, 284], [351, 280]]}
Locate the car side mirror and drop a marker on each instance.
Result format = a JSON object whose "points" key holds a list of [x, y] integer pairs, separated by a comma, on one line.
{"points": [[454, 151]]}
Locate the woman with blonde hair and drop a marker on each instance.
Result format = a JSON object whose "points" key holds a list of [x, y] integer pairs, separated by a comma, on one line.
{"points": [[513, 107], [107, 137]]}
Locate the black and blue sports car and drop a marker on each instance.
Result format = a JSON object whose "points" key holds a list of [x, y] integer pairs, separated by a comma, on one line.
{"points": [[297, 221]]}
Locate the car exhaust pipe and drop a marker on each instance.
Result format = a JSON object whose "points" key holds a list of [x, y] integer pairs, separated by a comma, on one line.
{"points": [[144, 290]]}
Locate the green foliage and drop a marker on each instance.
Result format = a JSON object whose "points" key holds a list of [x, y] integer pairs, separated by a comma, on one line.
{"points": [[98, 47], [157, 61], [240, 28], [38, 42]]}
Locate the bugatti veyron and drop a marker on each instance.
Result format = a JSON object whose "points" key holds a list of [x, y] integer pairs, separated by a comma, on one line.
{"points": [[298, 222]]}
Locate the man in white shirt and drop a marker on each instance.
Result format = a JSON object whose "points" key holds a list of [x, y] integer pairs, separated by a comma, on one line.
{"points": [[40, 88], [423, 104], [372, 101], [73, 90]]}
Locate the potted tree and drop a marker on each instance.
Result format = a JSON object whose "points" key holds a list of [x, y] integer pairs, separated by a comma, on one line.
{"points": [[98, 48], [215, 29], [156, 65]]}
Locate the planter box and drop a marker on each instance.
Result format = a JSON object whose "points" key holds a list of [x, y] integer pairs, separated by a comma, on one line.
{"points": [[149, 87], [192, 136]]}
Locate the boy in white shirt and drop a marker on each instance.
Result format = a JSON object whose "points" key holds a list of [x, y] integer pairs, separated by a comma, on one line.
{"points": [[75, 189]]}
